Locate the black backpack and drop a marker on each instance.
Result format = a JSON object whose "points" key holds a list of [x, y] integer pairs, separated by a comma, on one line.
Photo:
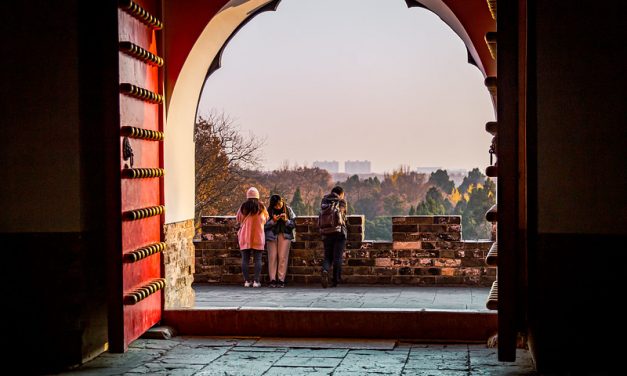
{"points": [[330, 218]]}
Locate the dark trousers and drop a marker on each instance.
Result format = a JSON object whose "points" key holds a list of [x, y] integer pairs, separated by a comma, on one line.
{"points": [[246, 259], [333, 252]]}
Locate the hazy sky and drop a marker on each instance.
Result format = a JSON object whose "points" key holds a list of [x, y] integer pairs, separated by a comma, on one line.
{"points": [[354, 79]]}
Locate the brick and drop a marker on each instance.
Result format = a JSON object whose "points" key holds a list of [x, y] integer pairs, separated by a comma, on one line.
{"points": [[427, 254], [232, 245], [448, 271], [306, 220], [218, 220], [433, 228], [471, 271], [353, 245], [232, 269], [400, 262], [425, 262], [207, 244], [413, 220], [429, 245], [302, 228], [355, 229], [449, 236], [447, 219], [432, 271], [449, 280], [406, 245], [404, 228], [413, 236], [406, 253], [399, 236], [427, 236], [361, 262], [385, 271], [360, 270], [314, 244], [487, 280], [466, 262], [216, 229], [413, 280], [447, 262], [304, 270], [450, 245], [367, 280], [233, 261], [472, 280], [405, 271], [356, 237], [356, 220], [308, 236], [232, 278], [447, 253], [381, 253], [299, 245], [382, 245]]}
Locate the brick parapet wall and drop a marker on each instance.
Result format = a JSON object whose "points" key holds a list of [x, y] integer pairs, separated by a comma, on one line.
{"points": [[426, 250]]}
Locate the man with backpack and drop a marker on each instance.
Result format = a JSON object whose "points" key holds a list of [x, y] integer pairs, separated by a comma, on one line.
{"points": [[332, 226]]}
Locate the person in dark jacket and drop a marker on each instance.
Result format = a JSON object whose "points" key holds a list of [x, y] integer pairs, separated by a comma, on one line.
{"points": [[279, 235], [334, 243]]}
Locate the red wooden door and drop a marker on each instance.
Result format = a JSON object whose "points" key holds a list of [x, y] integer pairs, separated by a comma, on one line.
{"points": [[139, 296]]}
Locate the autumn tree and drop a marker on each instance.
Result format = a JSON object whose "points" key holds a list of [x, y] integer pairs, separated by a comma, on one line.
{"points": [[474, 177], [297, 204], [433, 203], [224, 160], [440, 179]]}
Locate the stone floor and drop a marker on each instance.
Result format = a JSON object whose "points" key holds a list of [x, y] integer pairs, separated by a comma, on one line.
{"points": [[252, 356], [390, 297]]}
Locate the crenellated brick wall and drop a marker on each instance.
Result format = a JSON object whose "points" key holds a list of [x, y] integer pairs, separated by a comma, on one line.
{"points": [[426, 250]]}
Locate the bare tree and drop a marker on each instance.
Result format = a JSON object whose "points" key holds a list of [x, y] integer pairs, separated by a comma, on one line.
{"points": [[224, 159]]}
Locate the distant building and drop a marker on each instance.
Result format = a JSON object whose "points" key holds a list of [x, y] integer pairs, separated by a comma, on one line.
{"points": [[331, 166], [357, 167], [427, 170]]}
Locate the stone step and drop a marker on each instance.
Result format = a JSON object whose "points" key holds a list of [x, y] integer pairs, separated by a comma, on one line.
{"points": [[414, 324]]}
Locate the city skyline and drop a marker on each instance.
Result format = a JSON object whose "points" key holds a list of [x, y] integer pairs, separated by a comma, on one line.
{"points": [[399, 93]]}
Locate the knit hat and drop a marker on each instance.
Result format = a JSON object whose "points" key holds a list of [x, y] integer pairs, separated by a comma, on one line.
{"points": [[252, 193]]}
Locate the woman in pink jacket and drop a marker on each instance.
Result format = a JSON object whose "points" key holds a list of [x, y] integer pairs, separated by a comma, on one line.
{"points": [[251, 216]]}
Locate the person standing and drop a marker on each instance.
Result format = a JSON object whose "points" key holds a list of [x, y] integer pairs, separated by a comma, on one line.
{"points": [[279, 236], [332, 223], [252, 215]]}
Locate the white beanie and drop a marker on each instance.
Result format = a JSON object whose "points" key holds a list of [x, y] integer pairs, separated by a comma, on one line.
{"points": [[252, 193]]}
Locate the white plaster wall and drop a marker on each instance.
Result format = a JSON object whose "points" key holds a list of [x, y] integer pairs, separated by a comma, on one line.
{"points": [[179, 124]]}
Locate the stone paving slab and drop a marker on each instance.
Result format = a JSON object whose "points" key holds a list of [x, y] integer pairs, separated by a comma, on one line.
{"points": [[327, 343], [369, 297], [240, 356]]}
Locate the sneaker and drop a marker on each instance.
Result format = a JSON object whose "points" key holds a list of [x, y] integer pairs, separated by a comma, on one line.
{"points": [[324, 279], [272, 283], [280, 284], [247, 284], [256, 284]]}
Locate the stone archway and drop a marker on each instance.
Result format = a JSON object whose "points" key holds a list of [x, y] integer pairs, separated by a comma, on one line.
{"points": [[199, 32]]}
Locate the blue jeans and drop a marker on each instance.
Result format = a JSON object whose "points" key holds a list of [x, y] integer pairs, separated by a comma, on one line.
{"points": [[246, 260], [333, 251]]}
